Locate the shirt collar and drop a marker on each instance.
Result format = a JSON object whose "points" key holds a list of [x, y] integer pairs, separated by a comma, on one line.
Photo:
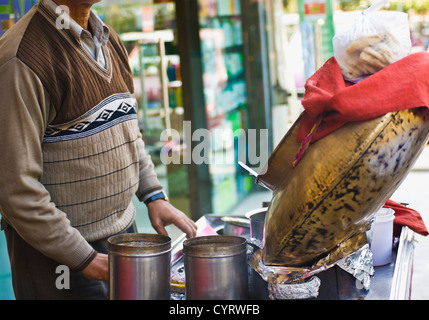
{"points": [[100, 32]]}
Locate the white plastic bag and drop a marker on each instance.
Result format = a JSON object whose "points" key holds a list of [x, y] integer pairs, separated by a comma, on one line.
{"points": [[377, 39]]}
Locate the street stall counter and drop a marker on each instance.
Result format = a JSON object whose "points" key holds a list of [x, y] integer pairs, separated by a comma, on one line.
{"points": [[388, 282]]}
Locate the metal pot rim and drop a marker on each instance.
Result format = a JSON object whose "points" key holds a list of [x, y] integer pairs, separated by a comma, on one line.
{"points": [[138, 244], [255, 212], [214, 246]]}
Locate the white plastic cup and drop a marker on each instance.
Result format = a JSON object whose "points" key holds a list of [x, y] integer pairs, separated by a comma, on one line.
{"points": [[382, 237]]}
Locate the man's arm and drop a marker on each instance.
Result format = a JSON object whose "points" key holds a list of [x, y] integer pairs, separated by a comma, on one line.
{"points": [[24, 202], [161, 213]]}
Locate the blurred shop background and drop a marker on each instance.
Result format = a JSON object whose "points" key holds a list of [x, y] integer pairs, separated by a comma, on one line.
{"points": [[220, 65], [224, 66]]}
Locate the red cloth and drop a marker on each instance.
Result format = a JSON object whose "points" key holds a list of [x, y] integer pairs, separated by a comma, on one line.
{"points": [[401, 85], [405, 216]]}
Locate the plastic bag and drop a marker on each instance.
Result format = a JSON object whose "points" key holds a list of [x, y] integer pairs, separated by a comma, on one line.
{"points": [[377, 39]]}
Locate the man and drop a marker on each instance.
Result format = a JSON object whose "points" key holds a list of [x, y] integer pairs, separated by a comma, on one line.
{"points": [[71, 153]]}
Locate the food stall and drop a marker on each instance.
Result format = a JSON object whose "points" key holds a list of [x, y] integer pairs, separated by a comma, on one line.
{"points": [[325, 218], [388, 282], [326, 249], [330, 230]]}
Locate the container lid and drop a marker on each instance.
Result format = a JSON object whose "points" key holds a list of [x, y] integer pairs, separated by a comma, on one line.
{"points": [[214, 246], [138, 243]]}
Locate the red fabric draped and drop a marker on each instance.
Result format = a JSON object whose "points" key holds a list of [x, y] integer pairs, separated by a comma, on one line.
{"points": [[401, 85]]}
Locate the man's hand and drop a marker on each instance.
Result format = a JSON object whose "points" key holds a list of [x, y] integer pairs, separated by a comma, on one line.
{"points": [[162, 213], [98, 269]]}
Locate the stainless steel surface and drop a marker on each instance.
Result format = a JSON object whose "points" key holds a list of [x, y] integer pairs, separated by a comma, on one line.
{"points": [[381, 282], [139, 267], [402, 276], [216, 268]]}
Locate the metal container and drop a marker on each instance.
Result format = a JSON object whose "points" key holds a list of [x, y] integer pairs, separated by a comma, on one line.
{"points": [[235, 226], [257, 221], [216, 268], [139, 267]]}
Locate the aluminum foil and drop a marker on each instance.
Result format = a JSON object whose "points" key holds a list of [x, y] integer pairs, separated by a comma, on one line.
{"points": [[287, 274], [360, 265], [305, 290], [255, 242], [280, 274], [301, 283]]}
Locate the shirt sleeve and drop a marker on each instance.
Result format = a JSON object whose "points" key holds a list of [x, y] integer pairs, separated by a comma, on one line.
{"points": [[24, 202]]}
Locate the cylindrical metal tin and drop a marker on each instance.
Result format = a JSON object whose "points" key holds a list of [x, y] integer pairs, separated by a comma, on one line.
{"points": [[257, 222], [234, 226], [216, 268], [139, 266]]}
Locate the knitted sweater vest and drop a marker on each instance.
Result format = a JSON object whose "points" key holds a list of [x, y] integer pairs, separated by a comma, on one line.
{"points": [[90, 162]]}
